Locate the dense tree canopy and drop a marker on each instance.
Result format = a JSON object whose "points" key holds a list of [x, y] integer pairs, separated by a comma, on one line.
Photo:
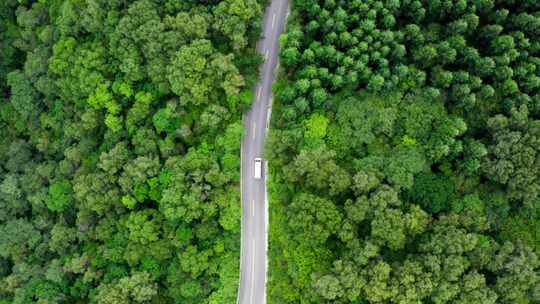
{"points": [[404, 153], [119, 149]]}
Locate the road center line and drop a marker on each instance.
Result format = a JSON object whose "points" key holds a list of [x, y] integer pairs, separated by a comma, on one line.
{"points": [[252, 272], [266, 55], [259, 93], [273, 20], [253, 208], [254, 129]]}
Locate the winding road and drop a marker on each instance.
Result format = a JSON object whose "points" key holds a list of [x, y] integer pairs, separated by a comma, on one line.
{"points": [[253, 260]]}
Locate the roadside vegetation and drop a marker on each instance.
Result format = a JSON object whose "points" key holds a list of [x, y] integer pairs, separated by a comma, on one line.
{"points": [[405, 153], [119, 149]]}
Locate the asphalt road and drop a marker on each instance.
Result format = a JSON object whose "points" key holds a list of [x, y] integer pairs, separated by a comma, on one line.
{"points": [[253, 260]]}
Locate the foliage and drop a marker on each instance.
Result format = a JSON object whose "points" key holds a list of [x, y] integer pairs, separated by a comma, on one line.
{"points": [[120, 126], [404, 146]]}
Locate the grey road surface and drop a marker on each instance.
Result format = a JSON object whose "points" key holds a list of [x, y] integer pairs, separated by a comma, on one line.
{"points": [[253, 260]]}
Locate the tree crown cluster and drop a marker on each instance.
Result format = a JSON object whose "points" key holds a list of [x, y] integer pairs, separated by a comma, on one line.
{"points": [[405, 153], [119, 149]]}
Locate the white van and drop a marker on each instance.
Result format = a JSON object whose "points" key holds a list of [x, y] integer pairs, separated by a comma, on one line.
{"points": [[258, 168]]}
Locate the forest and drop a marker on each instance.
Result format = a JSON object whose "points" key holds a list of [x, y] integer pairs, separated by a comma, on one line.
{"points": [[405, 153], [120, 129]]}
